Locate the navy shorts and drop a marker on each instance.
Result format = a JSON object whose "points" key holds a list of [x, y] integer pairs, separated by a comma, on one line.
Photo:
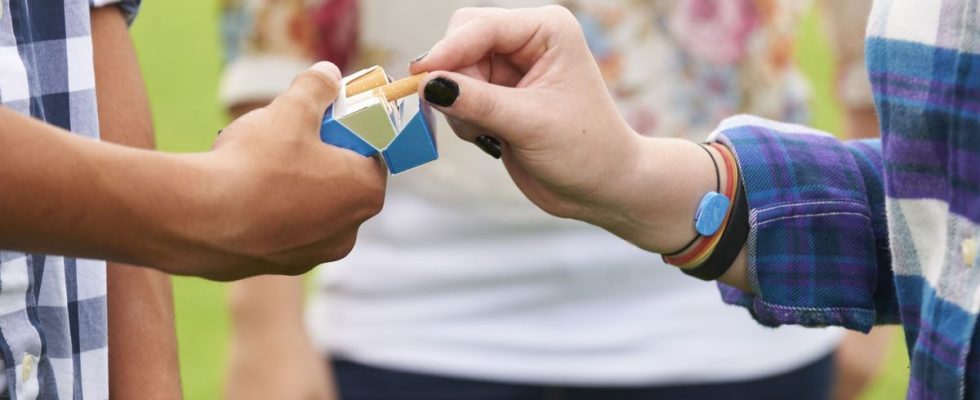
{"points": [[361, 382]]}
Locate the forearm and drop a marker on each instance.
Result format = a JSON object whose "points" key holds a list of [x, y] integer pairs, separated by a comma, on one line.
{"points": [[268, 329], [143, 361], [87, 199], [861, 122], [266, 304], [859, 360], [143, 346]]}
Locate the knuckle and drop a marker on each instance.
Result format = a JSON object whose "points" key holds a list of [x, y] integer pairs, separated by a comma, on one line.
{"points": [[372, 201], [376, 201], [559, 11], [296, 269], [558, 209], [341, 248], [463, 14], [317, 84], [463, 130], [311, 111], [367, 182], [304, 108], [483, 107], [482, 20], [297, 264], [562, 17]]}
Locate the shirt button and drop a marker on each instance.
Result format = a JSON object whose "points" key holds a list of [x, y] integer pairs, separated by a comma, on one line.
{"points": [[28, 366], [969, 249]]}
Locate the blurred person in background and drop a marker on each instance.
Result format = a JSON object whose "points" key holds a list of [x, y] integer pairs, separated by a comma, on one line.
{"points": [[463, 289]]}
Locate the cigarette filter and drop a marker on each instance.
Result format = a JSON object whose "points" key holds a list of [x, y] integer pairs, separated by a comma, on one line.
{"points": [[371, 80], [401, 88]]}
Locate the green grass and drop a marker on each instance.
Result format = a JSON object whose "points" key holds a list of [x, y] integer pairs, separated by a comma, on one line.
{"points": [[178, 46]]}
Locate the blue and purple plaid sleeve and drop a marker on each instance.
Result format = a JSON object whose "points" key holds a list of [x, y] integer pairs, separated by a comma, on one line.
{"points": [[817, 249], [128, 7]]}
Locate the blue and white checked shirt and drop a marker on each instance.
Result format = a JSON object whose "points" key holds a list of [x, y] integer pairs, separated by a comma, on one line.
{"points": [[53, 335], [885, 231]]}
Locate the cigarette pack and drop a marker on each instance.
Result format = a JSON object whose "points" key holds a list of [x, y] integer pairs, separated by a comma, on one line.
{"points": [[363, 120]]}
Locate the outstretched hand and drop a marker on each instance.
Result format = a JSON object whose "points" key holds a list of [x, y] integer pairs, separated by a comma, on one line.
{"points": [[527, 78]]}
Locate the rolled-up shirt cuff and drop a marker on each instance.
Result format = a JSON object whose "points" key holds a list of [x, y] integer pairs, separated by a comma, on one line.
{"points": [[129, 7], [811, 249]]}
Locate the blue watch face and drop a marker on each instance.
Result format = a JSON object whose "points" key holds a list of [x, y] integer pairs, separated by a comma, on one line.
{"points": [[711, 213]]}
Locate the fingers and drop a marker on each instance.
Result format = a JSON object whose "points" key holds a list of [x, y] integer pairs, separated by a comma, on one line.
{"points": [[523, 33], [464, 15], [312, 91], [477, 103]]}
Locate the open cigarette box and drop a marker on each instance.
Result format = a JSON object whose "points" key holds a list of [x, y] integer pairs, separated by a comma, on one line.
{"points": [[363, 119]]}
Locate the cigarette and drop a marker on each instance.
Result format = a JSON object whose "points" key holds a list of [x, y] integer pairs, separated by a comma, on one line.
{"points": [[401, 88], [371, 80]]}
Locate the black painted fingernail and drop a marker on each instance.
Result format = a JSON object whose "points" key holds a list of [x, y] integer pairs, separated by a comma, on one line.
{"points": [[489, 145], [419, 58], [441, 92]]}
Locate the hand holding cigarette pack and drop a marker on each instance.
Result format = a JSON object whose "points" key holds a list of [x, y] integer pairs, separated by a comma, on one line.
{"points": [[367, 117]]}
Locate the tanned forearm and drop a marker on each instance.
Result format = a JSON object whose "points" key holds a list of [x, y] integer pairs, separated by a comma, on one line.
{"points": [[269, 198], [142, 340], [86, 199]]}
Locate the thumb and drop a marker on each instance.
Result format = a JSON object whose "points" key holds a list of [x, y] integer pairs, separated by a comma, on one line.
{"points": [[314, 89], [491, 107]]}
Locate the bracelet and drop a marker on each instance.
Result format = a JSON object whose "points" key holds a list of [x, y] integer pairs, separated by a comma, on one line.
{"points": [[700, 229], [732, 241], [700, 252]]}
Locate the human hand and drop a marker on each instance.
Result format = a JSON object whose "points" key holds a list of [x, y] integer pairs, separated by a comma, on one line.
{"points": [[528, 78], [545, 99], [287, 201]]}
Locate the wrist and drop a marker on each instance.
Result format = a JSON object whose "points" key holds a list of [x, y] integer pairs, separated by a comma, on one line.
{"points": [[150, 189], [190, 211], [704, 244], [653, 201], [262, 299]]}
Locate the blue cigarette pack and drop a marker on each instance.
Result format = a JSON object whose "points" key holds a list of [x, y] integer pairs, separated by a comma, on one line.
{"points": [[368, 124]]}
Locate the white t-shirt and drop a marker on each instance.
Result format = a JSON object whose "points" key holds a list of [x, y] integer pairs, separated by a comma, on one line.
{"points": [[462, 276]]}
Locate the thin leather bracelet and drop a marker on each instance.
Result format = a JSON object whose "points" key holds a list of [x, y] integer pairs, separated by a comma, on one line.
{"points": [[717, 190], [732, 241]]}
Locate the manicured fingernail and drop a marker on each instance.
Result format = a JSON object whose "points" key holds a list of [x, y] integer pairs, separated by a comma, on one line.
{"points": [[489, 145], [441, 92], [419, 58]]}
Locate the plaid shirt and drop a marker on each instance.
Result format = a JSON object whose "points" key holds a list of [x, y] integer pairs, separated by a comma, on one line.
{"points": [[53, 336], [828, 247]]}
